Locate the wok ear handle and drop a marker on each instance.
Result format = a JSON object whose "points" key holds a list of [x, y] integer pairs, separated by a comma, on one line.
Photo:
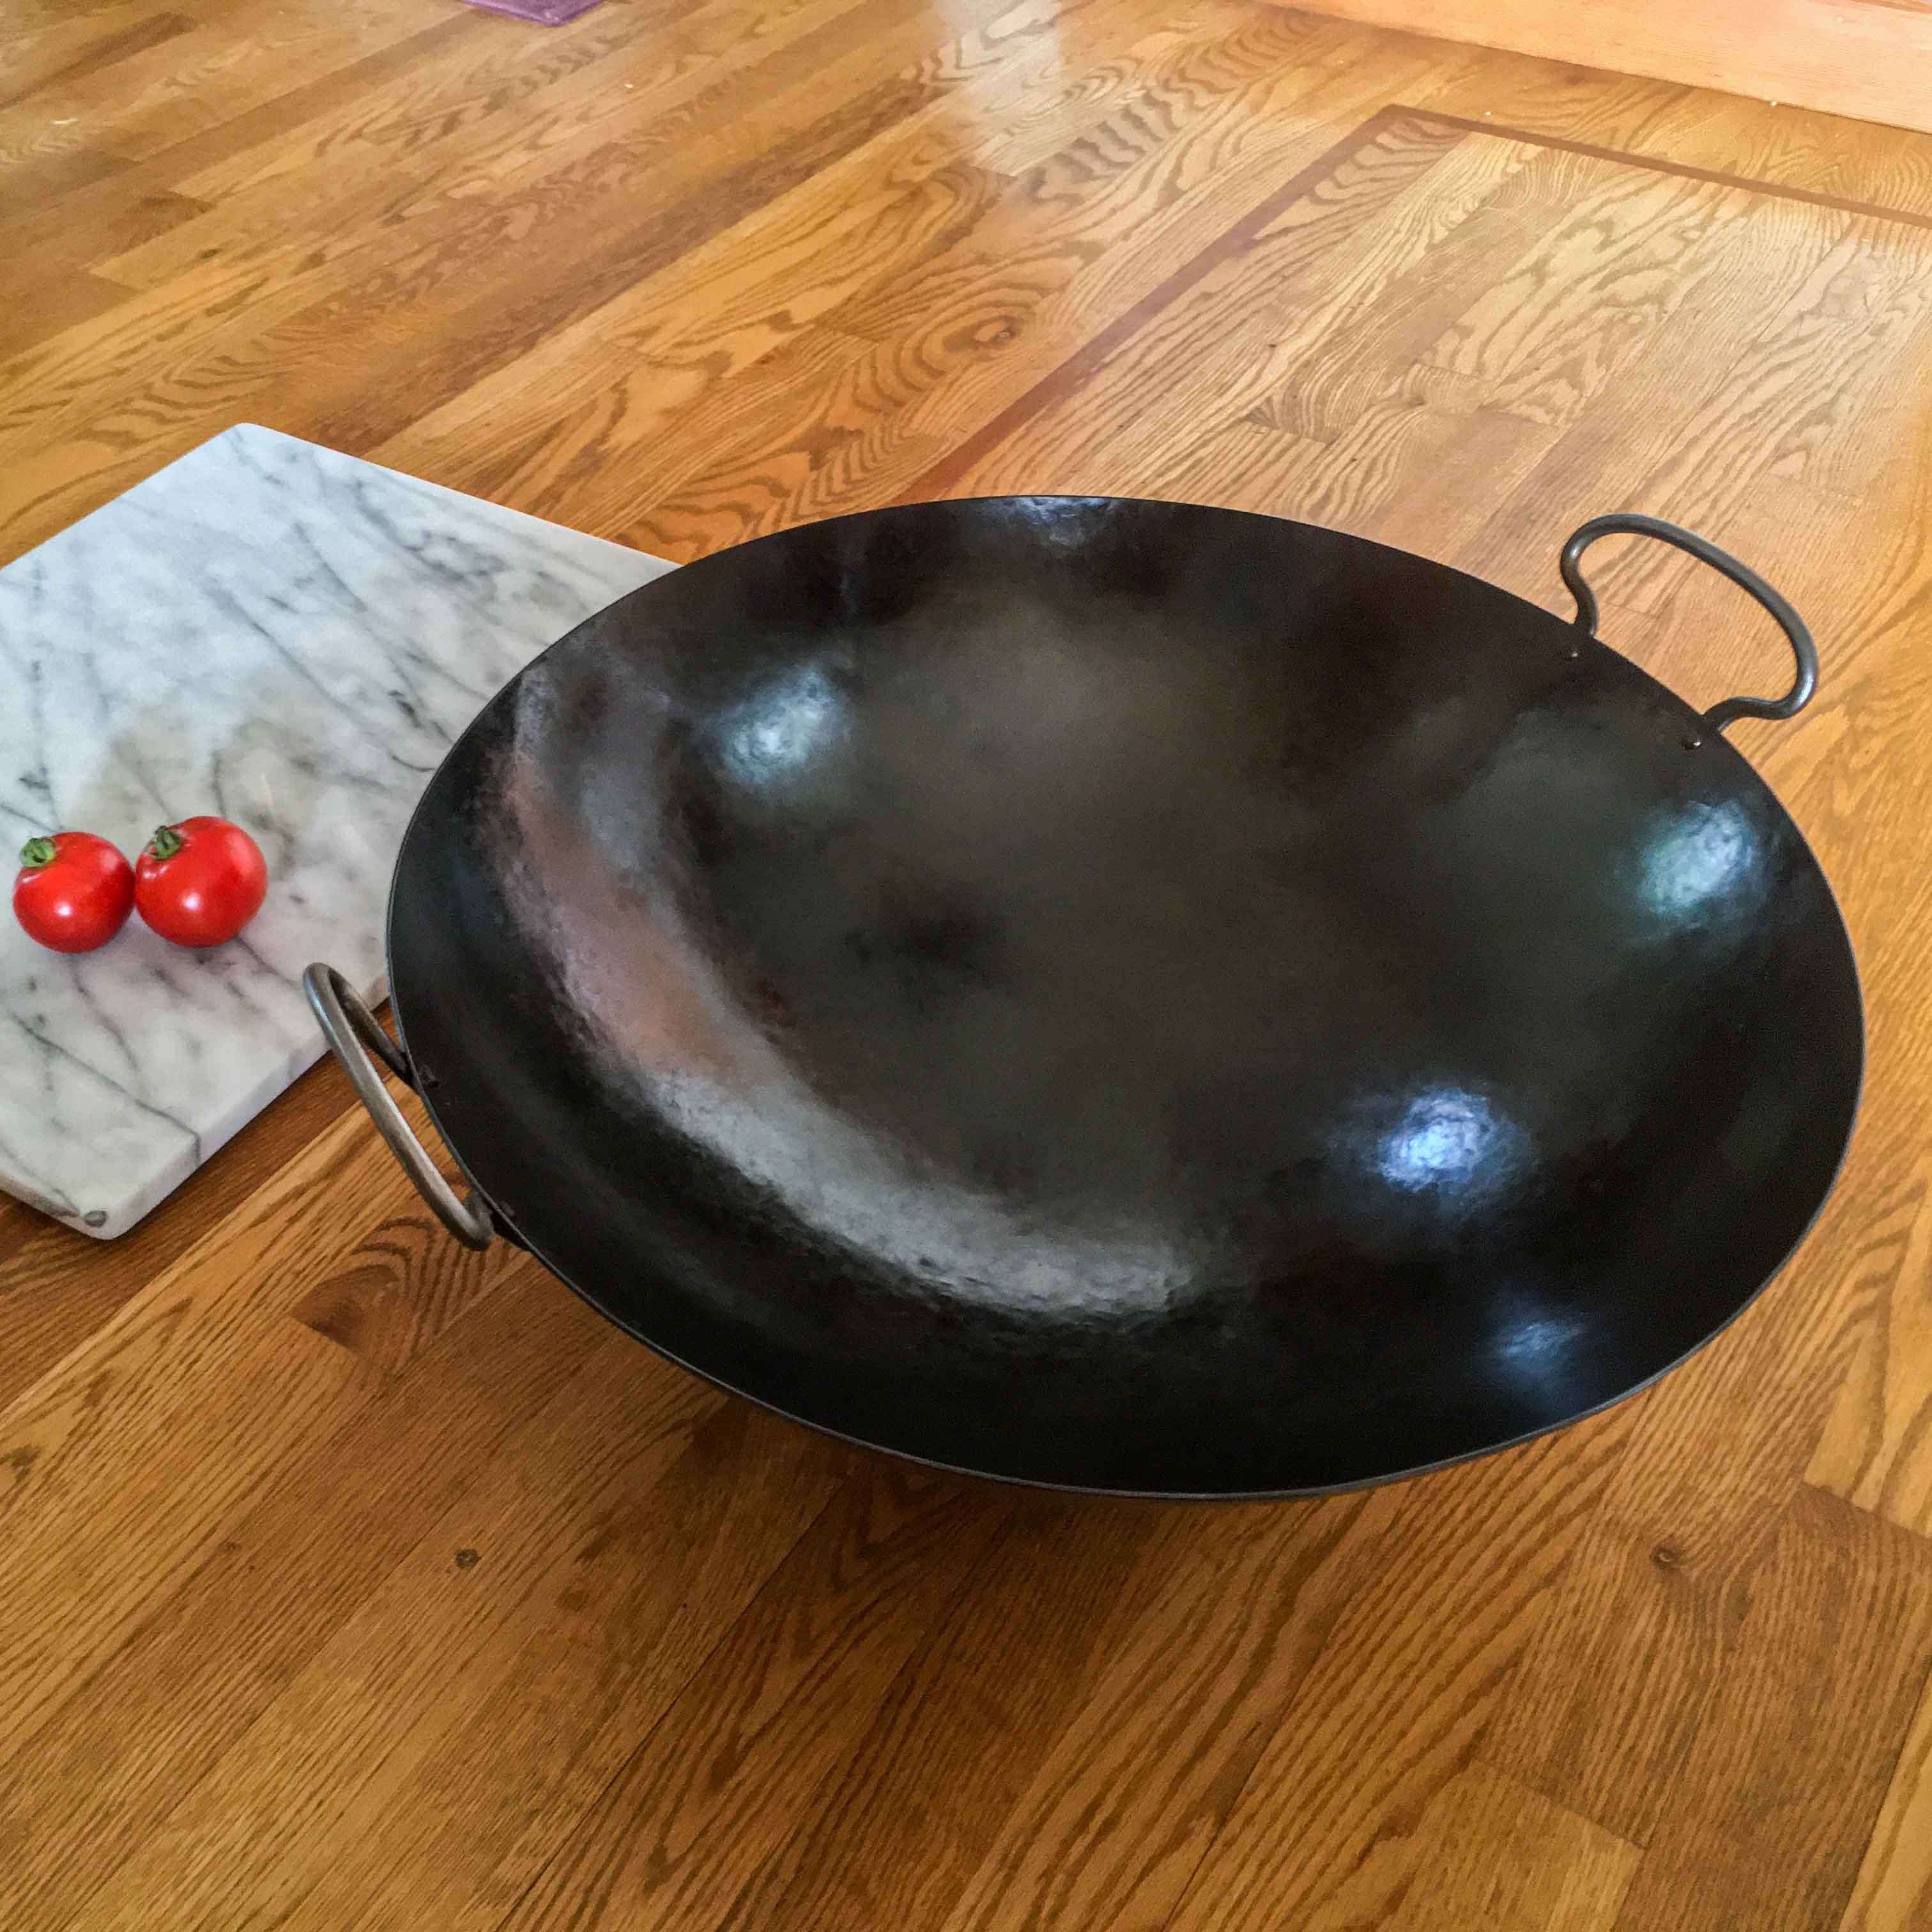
{"points": [[349, 1028], [1632, 523]]}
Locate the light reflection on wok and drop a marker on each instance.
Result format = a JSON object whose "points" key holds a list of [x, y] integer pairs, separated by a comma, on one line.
{"points": [[1449, 1140], [1698, 862]]}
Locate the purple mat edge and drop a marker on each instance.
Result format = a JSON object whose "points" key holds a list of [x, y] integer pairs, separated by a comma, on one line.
{"points": [[542, 13]]}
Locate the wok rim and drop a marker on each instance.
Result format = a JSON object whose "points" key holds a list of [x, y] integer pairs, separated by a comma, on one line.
{"points": [[508, 1224]]}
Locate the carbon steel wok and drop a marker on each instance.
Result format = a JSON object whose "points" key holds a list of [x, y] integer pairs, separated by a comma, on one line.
{"points": [[1123, 995]]}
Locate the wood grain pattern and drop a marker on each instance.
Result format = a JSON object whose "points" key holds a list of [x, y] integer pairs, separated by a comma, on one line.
{"points": [[88, 1788], [1214, 1632], [57, 55], [240, 1841], [1877, 1449], [950, 1749], [1866, 58], [512, 1758], [1399, 1665], [56, 1295], [355, 1580], [1532, 1867], [1894, 1882], [1623, 1675], [1547, 334], [1782, 1780], [695, 1816], [1791, 148]]}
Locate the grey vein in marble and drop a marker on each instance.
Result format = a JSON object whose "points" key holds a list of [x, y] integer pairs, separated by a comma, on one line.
{"points": [[290, 638]]}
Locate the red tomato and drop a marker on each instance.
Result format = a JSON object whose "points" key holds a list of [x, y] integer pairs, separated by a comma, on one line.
{"points": [[200, 882], [73, 891]]}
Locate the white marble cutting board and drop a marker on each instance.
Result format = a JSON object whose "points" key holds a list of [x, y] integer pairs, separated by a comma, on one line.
{"points": [[290, 638]]}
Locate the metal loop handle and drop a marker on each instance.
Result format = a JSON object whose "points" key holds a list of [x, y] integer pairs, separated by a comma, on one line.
{"points": [[1632, 523], [348, 1026]]}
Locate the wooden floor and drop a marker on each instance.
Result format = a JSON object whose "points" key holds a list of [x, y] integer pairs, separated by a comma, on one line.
{"points": [[1870, 57], [350, 1580]]}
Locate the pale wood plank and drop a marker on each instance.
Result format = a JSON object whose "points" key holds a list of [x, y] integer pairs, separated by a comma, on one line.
{"points": [[108, 1764], [287, 1799], [708, 1798], [1866, 58], [1003, 326], [1589, 292], [1783, 1783], [1784, 146], [1491, 1853], [1322, 1835], [54, 56], [1217, 1630], [487, 111], [737, 296], [1894, 1891], [182, 82], [204, 1364], [502, 1764]]}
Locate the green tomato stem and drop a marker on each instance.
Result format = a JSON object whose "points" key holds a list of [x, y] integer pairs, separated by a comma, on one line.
{"points": [[37, 852], [165, 842]]}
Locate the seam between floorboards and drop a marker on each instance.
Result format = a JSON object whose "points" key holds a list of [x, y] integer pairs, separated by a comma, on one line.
{"points": [[1778, 190], [1065, 377], [1086, 361]]}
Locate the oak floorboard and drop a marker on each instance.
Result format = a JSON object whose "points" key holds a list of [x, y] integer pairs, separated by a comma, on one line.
{"points": [[1784, 1782], [55, 56], [55, 1294], [107, 1766], [264, 1825], [1893, 1892], [1319, 1836], [1142, 1776], [849, 225], [687, 1828], [1533, 1867], [508, 1758]]}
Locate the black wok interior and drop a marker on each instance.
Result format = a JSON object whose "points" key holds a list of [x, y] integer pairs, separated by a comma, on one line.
{"points": [[1127, 995]]}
